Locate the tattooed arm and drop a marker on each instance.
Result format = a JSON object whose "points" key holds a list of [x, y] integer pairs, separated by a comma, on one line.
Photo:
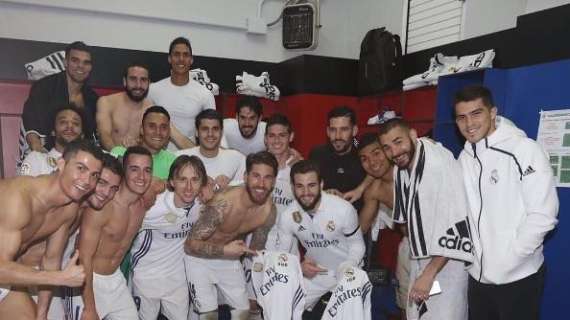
{"points": [[211, 217], [259, 236]]}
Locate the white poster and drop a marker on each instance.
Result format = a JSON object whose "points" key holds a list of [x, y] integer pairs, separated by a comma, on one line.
{"points": [[554, 136]]}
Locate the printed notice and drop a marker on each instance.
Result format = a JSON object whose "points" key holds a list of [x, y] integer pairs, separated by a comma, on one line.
{"points": [[554, 136]]}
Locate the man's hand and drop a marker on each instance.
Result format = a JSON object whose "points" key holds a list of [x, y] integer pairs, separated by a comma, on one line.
{"points": [[222, 181], [310, 268], [72, 275], [294, 157], [236, 249], [129, 141], [353, 195], [207, 191], [89, 314], [421, 288], [334, 192]]}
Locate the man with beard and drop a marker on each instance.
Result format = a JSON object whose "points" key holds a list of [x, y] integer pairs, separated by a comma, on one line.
{"points": [[105, 237], [338, 160], [222, 165], [246, 132], [37, 209], [159, 281], [216, 241], [51, 92], [155, 133], [183, 97], [326, 226], [67, 127], [431, 199]]}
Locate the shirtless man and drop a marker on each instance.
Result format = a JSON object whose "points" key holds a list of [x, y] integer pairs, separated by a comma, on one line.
{"points": [[33, 212], [119, 115], [106, 236], [216, 241]]}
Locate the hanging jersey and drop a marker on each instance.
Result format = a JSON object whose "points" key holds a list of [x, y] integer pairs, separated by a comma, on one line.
{"points": [[278, 283], [282, 198], [351, 297], [325, 234], [158, 249], [37, 163]]}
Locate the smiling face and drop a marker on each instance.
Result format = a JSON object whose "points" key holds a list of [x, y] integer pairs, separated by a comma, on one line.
{"points": [[68, 126], [307, 190], [277, 139], [259, 183], [341, 131], [186, 186], [180, 59], [399, 146], [78, 65], [79, 174], [136, 83], [155, 132], [374, 160], [247, 121], [209, 134], [107, 186], [138, 173], [475, 120]]}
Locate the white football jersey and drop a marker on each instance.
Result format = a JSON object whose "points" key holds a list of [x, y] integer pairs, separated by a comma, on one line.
{"points": [[278, 284], [351, 297]]}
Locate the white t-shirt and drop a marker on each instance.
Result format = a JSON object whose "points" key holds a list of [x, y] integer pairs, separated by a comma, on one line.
{"points": [[183, 103], [236, 141], [158, 249], [228, 162], [37, 163], [330, 236]]}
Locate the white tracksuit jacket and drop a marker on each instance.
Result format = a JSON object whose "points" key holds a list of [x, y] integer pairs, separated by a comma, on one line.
{"points": [[513, 200]]}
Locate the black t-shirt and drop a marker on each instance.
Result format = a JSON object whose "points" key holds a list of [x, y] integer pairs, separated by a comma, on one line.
{"points": [[341, 172]]}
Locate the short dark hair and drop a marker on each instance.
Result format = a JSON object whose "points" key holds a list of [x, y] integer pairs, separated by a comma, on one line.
{"points": [[391, 124], [305, 166], [211, 114], [179, 40], [183, 161], [135, 64], [74, 147], [278, 118], [135, 150], [342, 111], [262, 157], [79, 46], [249, 102], [367, 139], [113, 164], [71, 107], [474, 92], [156, 109]]}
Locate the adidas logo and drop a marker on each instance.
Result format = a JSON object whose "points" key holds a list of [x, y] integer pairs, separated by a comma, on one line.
{"points": [[459, 240], [528, 171], [301, 228]]}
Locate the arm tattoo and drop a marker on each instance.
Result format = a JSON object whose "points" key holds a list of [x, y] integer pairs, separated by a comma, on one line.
{"points": [[211, 217], [259, 236]]}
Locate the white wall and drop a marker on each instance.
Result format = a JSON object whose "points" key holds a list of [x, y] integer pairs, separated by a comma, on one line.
{"points": [[215, 27], [487, 16], [537, 5]]}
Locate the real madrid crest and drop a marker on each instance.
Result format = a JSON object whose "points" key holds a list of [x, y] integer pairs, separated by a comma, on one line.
{"points": [[297, 217], [257, 267], [170, 217], [349, 273], [330, 226], [52, 162], [282, 260], [494, 178]]}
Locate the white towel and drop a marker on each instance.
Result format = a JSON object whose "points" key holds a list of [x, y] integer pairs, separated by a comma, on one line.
{"points": [[48, 65], [432, 200]]}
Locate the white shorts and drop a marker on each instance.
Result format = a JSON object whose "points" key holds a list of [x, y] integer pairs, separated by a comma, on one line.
{"points": [[451, 303], [208, 277], [112, 297], [168, 295], [403, 273], [55, 311], [4, 291], [316, 287]]}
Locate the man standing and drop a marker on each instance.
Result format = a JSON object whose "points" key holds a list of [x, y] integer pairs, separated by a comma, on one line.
{"points": [[338, 160], [105, 237], [513, 203], [216, 241], [155, 134], [51, 92], [222, 165], [183, 97], [36, 209], [431, 199], [326, 226], [159, 281], [245, 133], [67, 127]]}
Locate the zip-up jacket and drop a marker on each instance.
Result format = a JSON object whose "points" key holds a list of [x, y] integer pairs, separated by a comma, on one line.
{"points": [[512, 195]]}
